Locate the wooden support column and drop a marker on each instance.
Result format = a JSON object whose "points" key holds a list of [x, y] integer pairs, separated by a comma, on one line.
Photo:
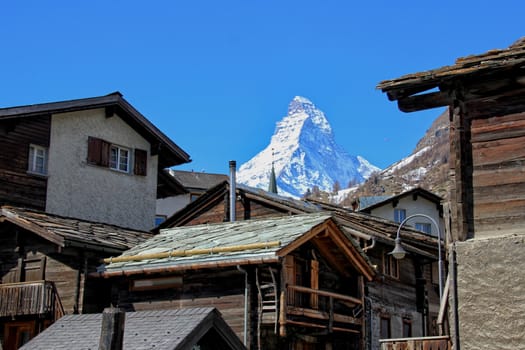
{"points": [[314, 284], [112, 331], [282, 314]]}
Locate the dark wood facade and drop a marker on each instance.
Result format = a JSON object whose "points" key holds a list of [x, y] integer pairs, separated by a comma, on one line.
{"points": [[412, 287], [43, 272], [310, 295], [17, 185], [485, 96]]}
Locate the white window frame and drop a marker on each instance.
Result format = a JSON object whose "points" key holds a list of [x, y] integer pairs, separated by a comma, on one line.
{"points": [[33, 158], [117, 163]]}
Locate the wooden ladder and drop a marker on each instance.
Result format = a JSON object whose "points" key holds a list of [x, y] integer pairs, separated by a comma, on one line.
{"points": [[268, 298]]}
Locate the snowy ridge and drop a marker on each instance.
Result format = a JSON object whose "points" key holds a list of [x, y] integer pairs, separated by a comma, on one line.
{"points": [[305, 155]]}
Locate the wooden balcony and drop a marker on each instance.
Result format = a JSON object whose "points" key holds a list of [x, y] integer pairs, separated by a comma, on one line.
{"points": [[30, 298], [422, 343], [313, 308]]}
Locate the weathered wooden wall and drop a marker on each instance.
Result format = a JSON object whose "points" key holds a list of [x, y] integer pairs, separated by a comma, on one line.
{"points": [[17, 187], [498, 156], [66, 268], [223, 289], [245, 209], [397, 299]]}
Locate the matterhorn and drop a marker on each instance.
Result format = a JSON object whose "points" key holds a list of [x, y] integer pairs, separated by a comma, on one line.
{"points": [[303, 155]]}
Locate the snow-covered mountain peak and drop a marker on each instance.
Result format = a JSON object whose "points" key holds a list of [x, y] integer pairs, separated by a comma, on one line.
{"points": [[301, 107], [305, 155]]}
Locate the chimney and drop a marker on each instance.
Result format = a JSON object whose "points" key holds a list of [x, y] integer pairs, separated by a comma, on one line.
{"points": [[112, 332], [233, 195]]}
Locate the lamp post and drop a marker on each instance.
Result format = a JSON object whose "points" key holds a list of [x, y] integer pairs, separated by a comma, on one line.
{"points": [[399, 252]]}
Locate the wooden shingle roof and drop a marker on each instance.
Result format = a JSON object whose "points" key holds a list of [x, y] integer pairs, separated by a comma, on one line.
{"points": [[476, 72], [353, 223], [170, 153], [65, 231]]}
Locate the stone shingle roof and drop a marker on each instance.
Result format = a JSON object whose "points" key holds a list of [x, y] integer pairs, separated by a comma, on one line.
{"points": [[160, 330], [256, 240], [65, 231]]}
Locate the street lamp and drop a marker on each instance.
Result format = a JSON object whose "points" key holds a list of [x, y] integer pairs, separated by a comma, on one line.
{"points": [[399, 252]]}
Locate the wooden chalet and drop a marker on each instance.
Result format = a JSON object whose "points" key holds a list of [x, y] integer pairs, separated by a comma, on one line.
{"points": [[44, 265], [182, 329], [285, 282], [485, 96], [403, 299]]}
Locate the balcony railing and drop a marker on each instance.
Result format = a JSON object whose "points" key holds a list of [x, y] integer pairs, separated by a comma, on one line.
{"points": [[427, 343], [309, 307], [30, 298]]}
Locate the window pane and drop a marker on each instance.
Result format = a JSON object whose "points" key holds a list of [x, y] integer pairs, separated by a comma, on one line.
{"points": [[37, 159], [407, 329], [123, 161], [399, 215], [424, 227], [114, 158], [385, 328]]}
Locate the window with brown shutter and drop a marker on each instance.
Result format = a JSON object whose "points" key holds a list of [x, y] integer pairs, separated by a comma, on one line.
{"points": [[141, 162], [98, 151]]}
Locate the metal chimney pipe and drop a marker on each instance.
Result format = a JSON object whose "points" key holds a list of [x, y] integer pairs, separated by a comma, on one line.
{"points": [[233, 195]]}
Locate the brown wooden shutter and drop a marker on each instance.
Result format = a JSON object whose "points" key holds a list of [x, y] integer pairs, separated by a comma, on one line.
{"points": [[141, 162], [98, 151]]}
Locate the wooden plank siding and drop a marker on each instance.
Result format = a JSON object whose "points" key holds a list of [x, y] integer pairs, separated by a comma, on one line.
{"points": [[16, 185], [498, 156], [223, 289], [245, 209]]}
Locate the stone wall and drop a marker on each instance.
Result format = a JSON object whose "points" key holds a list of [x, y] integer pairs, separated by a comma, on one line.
{"points": [[491, 292]]}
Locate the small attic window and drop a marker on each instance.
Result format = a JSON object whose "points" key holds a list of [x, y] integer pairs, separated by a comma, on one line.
{"points": [[37, 161]]}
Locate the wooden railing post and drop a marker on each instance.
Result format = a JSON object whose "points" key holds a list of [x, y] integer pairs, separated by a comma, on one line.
{"points": [[331, 315]]}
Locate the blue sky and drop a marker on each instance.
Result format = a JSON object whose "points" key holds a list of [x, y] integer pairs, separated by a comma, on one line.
{"points": [[216, 76]]}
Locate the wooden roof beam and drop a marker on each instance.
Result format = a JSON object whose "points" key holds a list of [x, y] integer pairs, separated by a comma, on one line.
{"points": [[420, 102]]}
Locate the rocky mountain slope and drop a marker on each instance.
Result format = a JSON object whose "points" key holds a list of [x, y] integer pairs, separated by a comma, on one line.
{"points": [[426, 167]]}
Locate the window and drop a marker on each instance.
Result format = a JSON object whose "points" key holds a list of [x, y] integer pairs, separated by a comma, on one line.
{"points": [[400, 215], [390, 266], [119, 158], [424, 227], [17, 334], [407, 328], [37, 162], [105, 154], [385, 327]]}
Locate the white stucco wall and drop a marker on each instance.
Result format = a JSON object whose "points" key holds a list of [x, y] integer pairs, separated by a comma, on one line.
{"points": [[95, 193], [170, 205], [419, 206]]}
